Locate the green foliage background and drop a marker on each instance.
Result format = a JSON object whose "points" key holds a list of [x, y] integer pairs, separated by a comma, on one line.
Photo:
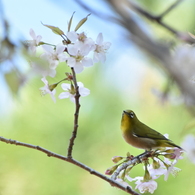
{"points": [[38, 121]]}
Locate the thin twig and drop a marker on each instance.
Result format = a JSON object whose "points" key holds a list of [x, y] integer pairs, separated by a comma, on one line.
{"points": [[151, 17], [136, 159], [139, 10], [76, 115], [72, 161], [170, 8]]}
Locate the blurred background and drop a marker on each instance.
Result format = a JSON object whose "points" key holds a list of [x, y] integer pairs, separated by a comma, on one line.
{"points": [[127, 80]]}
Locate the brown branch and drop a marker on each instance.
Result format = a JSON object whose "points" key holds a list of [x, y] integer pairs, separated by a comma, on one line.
{"points": [[154, 18], [76, 116], [151, 17], [72, 161]]}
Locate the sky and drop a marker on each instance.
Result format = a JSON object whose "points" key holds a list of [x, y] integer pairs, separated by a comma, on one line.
{"points": [[25, 14]]}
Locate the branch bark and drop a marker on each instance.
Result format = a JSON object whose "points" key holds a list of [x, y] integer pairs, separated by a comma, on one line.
{"points": [[72, 161], [76, 116]]}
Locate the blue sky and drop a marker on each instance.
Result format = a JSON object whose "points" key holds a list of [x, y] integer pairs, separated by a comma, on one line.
{"points": [[25, 14]]}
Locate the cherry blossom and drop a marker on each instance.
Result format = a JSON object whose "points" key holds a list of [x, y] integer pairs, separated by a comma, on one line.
{"points": [[70, 91], [47, 89], [54, 56], [100, 49], [35, 42], [72, 36], [78, 58], [148, 186], [144, 186]]}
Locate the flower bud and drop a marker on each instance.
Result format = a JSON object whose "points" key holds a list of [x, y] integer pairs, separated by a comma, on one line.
{"points": [[128, 169], [111, 170], [53, 86], [170, 156], [147, 176], [122, 176], [155, 164], [116, 159]]}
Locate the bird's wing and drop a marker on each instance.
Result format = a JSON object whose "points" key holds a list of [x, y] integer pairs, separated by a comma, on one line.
{"points": [[148, 132]]}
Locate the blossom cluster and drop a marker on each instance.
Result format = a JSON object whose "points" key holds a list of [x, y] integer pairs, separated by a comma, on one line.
{"points": [[158, 167], [77, 51]]}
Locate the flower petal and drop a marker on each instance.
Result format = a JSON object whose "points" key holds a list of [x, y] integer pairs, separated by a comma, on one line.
{"points": [[65, 86], [78, 67], [64, 95]]}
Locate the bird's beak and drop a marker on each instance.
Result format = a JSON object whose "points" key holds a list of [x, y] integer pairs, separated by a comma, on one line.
{"points": [[124, 112]]}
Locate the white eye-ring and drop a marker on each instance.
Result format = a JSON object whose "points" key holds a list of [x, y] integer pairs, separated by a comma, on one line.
{"points": [[131, 114]]}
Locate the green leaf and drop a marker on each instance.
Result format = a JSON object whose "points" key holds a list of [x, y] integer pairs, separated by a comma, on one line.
{"points": [[81, 22], [55, 29], [70, 22]]}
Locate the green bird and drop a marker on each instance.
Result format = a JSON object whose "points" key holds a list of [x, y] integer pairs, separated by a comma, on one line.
{"points": [[140, 135]]}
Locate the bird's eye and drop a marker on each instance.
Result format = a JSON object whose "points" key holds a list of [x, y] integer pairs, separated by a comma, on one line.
{"points": [[131, 114]]}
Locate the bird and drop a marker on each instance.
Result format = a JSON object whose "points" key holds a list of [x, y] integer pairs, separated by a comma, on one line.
{"points": [[140, 135]]}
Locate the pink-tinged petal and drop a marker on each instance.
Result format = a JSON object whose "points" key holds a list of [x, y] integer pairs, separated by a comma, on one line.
{"points": [[72, 36], [44, 81], [60, 48], [53, 64], [71, 61], [102, 57], [149, 186], [107, 45], [87, 62], [38, 38], [95, 57], [53, 95], [78, 67], [80, 84], [72, 98], [99, 39], [65, 86], [64, 95], [72, 50], [84, 92], [48, 48], [62, 57], [51, 72], [32, 33], [85, 49]]}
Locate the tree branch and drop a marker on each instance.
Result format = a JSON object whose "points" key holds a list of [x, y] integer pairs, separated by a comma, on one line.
{"points": [[72, 161], [76, 115], [175, 4], [158, 18], [136, 159]]}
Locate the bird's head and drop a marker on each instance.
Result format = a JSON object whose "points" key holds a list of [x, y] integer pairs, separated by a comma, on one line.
{"points": [[130, 114], [128, 118]]}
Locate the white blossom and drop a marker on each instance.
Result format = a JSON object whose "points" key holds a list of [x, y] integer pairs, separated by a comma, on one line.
{"points": [[46, 89], [54, 56], [100, 49], [70, 93], [149, 186], [78, 58], [35, 42]]}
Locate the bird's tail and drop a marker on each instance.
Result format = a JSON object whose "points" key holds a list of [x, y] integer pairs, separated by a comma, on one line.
{"points": [[174, 145]]}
